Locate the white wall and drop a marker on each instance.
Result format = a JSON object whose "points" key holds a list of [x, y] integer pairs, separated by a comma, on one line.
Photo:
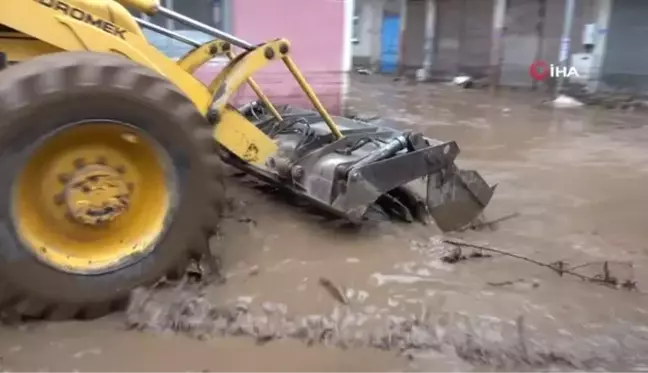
{"points": [[362, 47], [367, 48], [368, 26]]}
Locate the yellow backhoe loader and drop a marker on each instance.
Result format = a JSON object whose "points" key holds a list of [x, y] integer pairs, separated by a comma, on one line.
{"points": [[110, 153]]}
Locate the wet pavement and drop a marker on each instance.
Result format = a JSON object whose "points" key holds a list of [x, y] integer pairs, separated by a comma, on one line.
{"points": [[576, 177]]}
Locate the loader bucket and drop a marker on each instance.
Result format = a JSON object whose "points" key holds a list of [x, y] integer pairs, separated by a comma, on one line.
{"points": [[406, 174], [456, 198], [343, 165]]}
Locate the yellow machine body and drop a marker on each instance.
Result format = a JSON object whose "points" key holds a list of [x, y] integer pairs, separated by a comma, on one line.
{"points": [[107, 26], [86, 203]]}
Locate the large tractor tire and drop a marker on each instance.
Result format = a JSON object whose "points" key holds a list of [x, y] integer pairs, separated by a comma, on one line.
{"points": [[110, 180]]}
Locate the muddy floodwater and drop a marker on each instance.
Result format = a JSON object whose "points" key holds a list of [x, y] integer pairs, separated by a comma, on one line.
{"points": [[574, 178]]}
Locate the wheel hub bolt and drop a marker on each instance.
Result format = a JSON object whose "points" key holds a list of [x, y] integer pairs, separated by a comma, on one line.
{"points": [[79, 162], [96, 194]]}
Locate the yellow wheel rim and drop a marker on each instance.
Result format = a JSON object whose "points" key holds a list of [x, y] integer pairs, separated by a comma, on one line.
{"points": [[93, 197]]}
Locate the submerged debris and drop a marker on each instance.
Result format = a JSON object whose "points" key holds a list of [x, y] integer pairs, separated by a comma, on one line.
{"points": [[456, 255], [183, 309], [336, 292], [559, 267], [463, 81], [363, 71], [564, 101], [491, 224]]}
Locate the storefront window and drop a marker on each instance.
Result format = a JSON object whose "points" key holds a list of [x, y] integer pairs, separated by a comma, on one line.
{"points": [[205, 11], [209, 12], [158, 20]]}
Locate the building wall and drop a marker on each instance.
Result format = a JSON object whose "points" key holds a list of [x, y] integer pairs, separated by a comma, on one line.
{"points": [[476, 30], [367, 32], [533, 31], [414, 35], [464, 31], [625, 66], [448, 36], [521, 41], [370, 13], [462, 36], [316, 29], [318, 43]]}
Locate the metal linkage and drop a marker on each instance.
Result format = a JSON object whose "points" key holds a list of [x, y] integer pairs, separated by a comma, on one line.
{"points": [[166, 32], [204, 28], [283, 50]]}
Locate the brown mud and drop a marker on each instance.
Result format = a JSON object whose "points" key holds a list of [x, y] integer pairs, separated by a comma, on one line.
{"points": [[576, 180]]}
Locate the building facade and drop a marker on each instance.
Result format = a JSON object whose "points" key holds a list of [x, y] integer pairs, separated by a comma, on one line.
{"points": [[624, 54], [500, 39]]}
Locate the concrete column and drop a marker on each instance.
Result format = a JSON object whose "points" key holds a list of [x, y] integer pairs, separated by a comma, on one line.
{"points": [[428, 44], [375, 17], [401, 43], [170, 24], [347, 50], [540, 32], [565, 42], [603, 12], [497, 42], [347, 44], [226, 13]]}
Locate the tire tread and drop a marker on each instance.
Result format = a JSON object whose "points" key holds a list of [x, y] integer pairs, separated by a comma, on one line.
{"points": [[54, 74]]}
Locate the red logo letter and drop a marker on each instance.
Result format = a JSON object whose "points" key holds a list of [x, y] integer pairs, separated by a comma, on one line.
{"points": [[539, 70]]}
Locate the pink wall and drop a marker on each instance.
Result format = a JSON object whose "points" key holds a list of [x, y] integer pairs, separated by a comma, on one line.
{"points": [[315, 29]]}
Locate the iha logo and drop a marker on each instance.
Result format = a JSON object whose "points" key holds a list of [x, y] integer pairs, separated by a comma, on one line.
{"points": [[541, 70]]}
